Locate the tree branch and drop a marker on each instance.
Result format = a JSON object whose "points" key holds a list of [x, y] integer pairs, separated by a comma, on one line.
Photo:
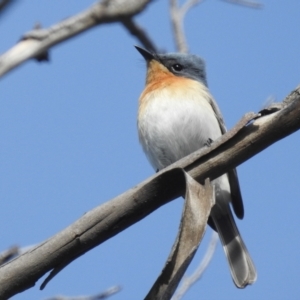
{"points": [[5, 4], [187, 282], [37, 42], [248, 3], [9, 254], [137, 31], [177, 15], [104, 295], [251, 135], [197, 206]]}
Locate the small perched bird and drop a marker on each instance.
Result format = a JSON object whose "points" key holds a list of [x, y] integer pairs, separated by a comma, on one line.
{"points": [[177, 115]]}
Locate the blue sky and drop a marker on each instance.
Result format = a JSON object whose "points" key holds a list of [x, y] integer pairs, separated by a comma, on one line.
{"points": [[68, 142]]}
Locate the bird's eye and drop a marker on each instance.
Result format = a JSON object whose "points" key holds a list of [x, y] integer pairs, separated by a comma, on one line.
{"points": [[177, 67]]}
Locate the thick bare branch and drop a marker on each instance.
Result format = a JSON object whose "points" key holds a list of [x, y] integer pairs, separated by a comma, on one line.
{"points": [[36, 42], [251, 135]]}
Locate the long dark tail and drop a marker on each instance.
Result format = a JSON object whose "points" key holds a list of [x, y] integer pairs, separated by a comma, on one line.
{"points": [[241, 265]]}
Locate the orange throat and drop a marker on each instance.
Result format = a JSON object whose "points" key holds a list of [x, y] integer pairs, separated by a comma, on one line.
{"points": [[157, 72]]}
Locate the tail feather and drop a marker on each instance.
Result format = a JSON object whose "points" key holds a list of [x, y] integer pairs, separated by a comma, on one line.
{"points": [[242, 268]]}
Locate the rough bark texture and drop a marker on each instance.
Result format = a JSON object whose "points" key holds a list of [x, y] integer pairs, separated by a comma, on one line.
{"points": [[252, 134], [36, 43]]}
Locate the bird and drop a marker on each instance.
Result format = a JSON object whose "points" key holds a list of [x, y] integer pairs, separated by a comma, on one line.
{"points": [[177, 115]]}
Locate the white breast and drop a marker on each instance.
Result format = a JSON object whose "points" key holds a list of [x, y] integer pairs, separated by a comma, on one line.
{"points": [[171, 128]]}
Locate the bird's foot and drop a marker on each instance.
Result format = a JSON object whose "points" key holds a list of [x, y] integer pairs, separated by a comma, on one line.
{"points": [[208, 142]]}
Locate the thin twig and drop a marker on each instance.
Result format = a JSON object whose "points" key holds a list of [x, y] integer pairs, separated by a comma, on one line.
{"points": [[177, 15], [189, 4], [139, 33], [9, 254], [187, 282], [13, 252], [248, 3], [4, 4], [104, 295]]}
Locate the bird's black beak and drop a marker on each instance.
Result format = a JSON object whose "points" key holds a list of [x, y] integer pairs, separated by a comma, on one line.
{"points": [[145, 53]]}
